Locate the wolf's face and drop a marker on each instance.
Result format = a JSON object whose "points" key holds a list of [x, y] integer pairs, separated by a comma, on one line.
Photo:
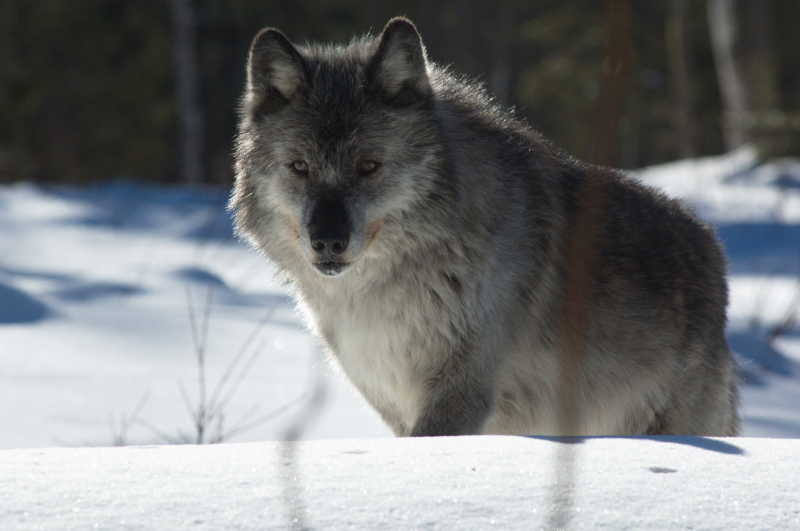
{"points": [[336, 144]]}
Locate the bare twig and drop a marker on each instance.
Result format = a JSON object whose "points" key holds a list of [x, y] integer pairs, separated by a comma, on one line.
{"points": [[200, 342], [215, 401], [120, 429], [231, 390], [207, 411], [245, 426], [164, 436]]}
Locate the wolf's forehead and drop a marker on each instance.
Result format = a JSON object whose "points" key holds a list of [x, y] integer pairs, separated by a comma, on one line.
{"points": [[336, 99], [337, 81]]}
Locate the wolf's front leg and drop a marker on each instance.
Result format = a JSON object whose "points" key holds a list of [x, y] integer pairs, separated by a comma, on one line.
{"points": [[457, 407]]}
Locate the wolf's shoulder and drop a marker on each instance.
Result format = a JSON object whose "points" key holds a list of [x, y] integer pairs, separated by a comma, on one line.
{"points": [[649, 204]]}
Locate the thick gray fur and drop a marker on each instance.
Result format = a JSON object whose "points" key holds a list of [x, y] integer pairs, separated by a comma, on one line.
{"points": [[444, 309]]}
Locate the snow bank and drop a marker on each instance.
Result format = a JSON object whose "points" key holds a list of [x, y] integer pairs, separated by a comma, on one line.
{"points": [[444, 483]]}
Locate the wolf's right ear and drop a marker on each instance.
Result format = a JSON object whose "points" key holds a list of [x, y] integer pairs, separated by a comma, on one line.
{"points": [[275, 71], [399, 68]]}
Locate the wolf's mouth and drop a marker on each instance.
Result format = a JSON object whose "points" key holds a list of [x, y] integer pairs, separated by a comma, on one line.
{"points": [[331, 268]]}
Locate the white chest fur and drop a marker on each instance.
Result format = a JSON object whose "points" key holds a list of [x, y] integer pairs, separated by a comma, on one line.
{"points": [[380, 348]]}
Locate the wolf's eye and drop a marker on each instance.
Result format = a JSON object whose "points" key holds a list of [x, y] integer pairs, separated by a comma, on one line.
{"points": [[300, 167], [367, 167]]}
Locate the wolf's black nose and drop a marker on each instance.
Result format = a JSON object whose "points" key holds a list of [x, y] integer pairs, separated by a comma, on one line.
{"points": [[329, 228], [334, 246]]}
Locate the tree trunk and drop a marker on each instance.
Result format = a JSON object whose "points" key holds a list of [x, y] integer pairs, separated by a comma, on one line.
{"points": [[190, 167], [767, 128], [725, 32], [677, 35]]}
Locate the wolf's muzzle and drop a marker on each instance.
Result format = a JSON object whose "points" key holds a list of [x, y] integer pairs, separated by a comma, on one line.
{"points": [[329, 230]]}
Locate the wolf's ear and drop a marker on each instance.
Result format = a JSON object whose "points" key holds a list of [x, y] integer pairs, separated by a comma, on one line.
{"points": [[399, 67], [275, 70]]}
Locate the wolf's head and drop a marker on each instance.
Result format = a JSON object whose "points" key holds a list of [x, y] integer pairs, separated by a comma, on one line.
{"points": [[336, 145]]}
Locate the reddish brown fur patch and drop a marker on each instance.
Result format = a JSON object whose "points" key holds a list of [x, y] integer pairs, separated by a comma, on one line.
{"points": [[373, 229]]}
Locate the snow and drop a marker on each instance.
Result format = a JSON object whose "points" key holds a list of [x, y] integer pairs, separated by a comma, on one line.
{"points": [[441, 483], [95, 283], [94, 317]]}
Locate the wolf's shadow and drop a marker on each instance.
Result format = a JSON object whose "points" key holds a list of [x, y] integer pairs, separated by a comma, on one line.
{"points": [[704, 443]]}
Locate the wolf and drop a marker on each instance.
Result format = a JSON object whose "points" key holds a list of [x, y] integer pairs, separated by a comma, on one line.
{"points": [[424, 231]]}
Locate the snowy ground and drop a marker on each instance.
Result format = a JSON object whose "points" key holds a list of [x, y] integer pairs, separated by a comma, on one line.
{"points": [[94, 316], [442, 483]]}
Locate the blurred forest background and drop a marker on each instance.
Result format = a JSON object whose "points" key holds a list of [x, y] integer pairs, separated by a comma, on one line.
{"points": [[100, 89]]}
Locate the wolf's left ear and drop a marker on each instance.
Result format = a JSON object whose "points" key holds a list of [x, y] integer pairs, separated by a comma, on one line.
{"points": [[399, 66]]}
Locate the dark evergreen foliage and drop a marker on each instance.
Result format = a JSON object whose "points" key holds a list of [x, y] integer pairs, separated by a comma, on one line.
{"points": [[87, 88]]}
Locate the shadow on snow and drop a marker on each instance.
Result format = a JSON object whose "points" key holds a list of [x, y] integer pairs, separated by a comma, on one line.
{"points": [[761, 248], [17, 307], [704, 443], [197, 213]]}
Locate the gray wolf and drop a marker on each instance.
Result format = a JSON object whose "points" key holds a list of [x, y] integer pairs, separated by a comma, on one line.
{"points": [[423, 231]]}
